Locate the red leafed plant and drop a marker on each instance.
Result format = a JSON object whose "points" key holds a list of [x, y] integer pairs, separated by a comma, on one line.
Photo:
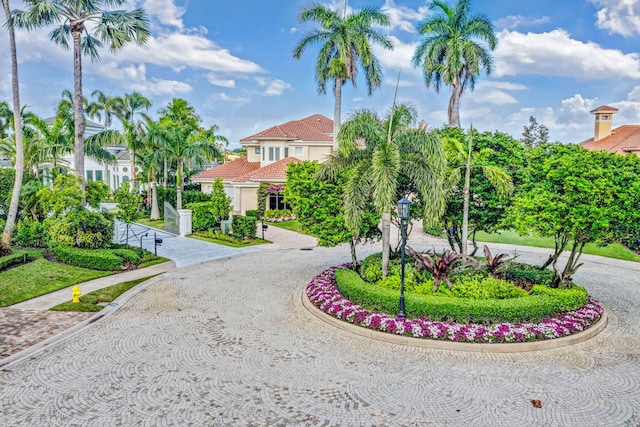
{"points": [[495, 264], [441, 266]]}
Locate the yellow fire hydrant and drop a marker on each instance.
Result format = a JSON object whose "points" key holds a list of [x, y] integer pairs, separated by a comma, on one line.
{"points": [[75, 292]]}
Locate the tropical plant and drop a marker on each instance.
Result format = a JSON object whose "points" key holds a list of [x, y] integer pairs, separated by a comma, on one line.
{"points": [[377, 153], [345, 41], [441, 267], [455, 48], [88, 24], [129, 206], [495, 264]]}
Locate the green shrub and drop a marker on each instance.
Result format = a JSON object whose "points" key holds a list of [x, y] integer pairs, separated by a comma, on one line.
{"points": [[483, 288], [96, 259], [133, 256], [81, 228], [30, 234], [253, 212], [534, 308], [277, 213], [528, 274], [206, 215], [13, 259], [244, 227]]}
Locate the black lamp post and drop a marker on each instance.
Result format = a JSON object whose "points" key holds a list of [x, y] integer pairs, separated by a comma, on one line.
{"points": [[403, 213]]}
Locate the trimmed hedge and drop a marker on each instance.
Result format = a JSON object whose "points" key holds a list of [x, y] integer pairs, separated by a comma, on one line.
{"points": [[30, 234], [13, 259], [244, 227], [525, 274], [96, 259], [542, 303]]}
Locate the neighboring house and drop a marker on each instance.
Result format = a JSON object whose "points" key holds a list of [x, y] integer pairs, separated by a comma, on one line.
{"points": [[622, 140], [268, 155]]}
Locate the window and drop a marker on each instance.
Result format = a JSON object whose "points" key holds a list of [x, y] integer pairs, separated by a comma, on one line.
{"points": [[286, 151], [276, 201], [271, 154], [256, 150], [277, 153], [298, 151], [124, 169], [125, 179], [98, 175], [89, 175], [263, 156]]}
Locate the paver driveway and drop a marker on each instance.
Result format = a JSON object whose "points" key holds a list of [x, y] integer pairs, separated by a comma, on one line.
{"points": [[228, 343]]}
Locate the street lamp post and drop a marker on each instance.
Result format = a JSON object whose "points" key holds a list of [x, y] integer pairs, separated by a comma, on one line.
{"points": [[403, 213]]}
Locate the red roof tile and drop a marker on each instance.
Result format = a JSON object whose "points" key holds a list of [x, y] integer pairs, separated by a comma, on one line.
{"points": [[229, 170], [312, 128], [275, 171], [604, 109], [622, 140]]}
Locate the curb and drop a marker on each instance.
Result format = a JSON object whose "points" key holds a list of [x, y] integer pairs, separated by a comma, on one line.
{"points": [[455, 346]]}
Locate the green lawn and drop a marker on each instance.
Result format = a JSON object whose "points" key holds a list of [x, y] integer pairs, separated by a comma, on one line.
{"points": [[40, 277], [155, 223], [230, 242], [292, 225], [96, 300], [511, 237]]}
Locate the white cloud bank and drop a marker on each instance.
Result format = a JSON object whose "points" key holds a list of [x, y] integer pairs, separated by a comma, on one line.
{"points": [[619, 16]]}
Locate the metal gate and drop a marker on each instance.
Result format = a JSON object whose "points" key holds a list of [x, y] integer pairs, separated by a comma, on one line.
{"points": [[171, 219]]}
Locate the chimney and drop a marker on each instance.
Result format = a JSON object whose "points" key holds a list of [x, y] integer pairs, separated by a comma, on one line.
{"points": [[604, 115]]}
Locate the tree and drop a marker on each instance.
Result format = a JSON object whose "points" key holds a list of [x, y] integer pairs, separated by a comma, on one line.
{"points": [[133, 104], [377, 153], [575, 196], [89, 25], [535, 134], [455, 48], [345, 41], [463, 158], [129, 203], [318, 206], [5, 244]]}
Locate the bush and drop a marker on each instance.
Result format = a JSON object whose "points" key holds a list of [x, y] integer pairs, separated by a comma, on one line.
{"points": [[525, 274], [207, 215], [130, 255], [254, 213], [97, 259], [277, 214], [81, 228], [536, 307], [244, 227], [30, 234], [13, 259]]}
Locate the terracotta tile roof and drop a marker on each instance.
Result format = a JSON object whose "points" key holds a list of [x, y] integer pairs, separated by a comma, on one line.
{"points": [[622, 140], [229, 170], [312, 128], [275, 171], [604, 109]]}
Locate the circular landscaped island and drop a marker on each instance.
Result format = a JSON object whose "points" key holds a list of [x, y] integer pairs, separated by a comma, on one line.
{"points": [[476, 306]]}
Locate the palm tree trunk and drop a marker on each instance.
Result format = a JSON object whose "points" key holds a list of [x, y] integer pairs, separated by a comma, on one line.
{"points": [[465, 196], [133, 169], [337, 111], [454, 107], [78, 113], [155, 211], [166, 174], [386, 242], [179, 185], [5, 245], [354, 258]]}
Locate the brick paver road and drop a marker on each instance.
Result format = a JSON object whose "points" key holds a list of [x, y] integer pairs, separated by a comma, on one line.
{"points": [[228, 343]]}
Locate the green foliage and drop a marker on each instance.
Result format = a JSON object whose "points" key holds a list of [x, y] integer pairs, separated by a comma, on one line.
{"points": [[441, 267], [80, 228], [318, 206], [7, 178], [525, 274], [170, 195], [66, 194], [97, 191], [30, 204], [221, 203], [254, 213], [277, 213], [97, 259], [533, 308], [244, 227], [206, 215], [129, 204], [13, 259], [30, 234]]}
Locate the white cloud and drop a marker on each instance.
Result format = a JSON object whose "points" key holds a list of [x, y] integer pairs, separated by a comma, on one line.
{"points": [[515, 21], [399, 57], [619, 16], [216, 81], [293, 30], [556, 53], [226, 98], [402, 17], [357, 99], [275, 87], [165, 11], [134, 77]]}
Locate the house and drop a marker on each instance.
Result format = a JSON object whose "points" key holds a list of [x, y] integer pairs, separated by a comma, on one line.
{"points": [[622, 140], [269, 153]]}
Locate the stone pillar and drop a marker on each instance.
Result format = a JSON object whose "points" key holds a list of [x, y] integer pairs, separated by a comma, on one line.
{"points": [[184, 222], [116, 231]]}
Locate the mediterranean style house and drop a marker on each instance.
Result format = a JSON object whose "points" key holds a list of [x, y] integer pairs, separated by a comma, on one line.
{"points": [[269, 153], [622, 140]]}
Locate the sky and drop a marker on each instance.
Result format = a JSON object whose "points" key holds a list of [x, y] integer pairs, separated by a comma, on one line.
{"points": [[232, 60]]}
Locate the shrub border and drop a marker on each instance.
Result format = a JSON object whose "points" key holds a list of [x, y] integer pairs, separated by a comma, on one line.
{"points": [[325, 283]]}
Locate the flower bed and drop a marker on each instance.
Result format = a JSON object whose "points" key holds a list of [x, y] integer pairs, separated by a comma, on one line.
{"points": [[283, 219], [324, 294]]}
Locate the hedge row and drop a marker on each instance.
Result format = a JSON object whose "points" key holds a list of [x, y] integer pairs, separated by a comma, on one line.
{"points": [[96, 259], [542, 303], [13, 259], [244, 227]]}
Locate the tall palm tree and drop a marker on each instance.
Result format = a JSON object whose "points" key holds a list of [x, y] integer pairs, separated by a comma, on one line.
{"points": [[463, 158], [455, 48], [5, 243], [131, 107], [104, 108], [89, 25], [345, 41], [378, 152], [156, 144]]}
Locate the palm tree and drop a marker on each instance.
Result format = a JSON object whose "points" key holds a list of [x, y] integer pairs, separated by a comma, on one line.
{"points": [[156, 143], [130, 107], [378, 153], [455, 49], [464, 158], [103, 108], [89, 25], [5, 243], [345, 41]]}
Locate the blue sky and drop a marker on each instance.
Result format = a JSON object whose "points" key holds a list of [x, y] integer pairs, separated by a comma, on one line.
{"points": [[232, 61]]}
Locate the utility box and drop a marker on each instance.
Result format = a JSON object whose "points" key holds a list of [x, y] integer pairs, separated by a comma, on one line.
{"points": [[225, 226]]}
